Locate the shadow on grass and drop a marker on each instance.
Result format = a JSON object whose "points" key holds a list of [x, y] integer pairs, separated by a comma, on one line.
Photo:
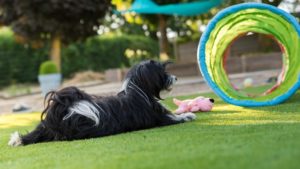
{"points": [[222, 112], [292, 105]]}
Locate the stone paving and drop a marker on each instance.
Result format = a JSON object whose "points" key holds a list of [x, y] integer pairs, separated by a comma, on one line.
{"points": [[185, 86]]}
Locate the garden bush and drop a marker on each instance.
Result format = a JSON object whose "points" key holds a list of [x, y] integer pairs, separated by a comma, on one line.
{"points": [[48, 67], [100, 53], [19, 63]]}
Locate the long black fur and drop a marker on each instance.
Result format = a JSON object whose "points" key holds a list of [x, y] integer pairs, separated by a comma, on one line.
{"points": [[129, 110]]}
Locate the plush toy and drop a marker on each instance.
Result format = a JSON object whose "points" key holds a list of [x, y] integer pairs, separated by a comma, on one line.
{"points": [[193, 105]]}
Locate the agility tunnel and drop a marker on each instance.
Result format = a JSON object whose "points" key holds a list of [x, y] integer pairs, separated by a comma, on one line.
{"points": [[236, 21]]}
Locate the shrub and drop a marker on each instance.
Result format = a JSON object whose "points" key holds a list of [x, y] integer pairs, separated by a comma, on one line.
{"points": [[19, 63], [101, 53], [48, 67]]}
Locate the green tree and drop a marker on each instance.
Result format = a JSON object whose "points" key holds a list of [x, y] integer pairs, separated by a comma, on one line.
{"points": [[158, 22], [57, 21], [162, 25]]}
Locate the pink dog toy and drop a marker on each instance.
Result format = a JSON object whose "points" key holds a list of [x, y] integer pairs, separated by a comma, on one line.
{"points": [[193, 105]]}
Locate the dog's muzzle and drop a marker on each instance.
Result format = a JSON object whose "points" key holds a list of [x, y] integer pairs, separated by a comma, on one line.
{"points": [[172, 81]]}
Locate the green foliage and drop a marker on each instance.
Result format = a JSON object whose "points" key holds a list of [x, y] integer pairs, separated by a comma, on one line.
{"points": [[101, 53], [20, 63], [71, 20], [48, 67], [135, 56]]}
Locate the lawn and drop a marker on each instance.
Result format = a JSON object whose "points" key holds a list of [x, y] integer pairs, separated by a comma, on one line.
{"points": [[228, 137]]}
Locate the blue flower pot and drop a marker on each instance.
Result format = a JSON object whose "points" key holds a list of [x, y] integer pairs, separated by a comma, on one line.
{"points": [[49, 82]]}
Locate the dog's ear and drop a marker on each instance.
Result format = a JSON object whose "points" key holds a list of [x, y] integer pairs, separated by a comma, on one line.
{"points": [[166, 63]]}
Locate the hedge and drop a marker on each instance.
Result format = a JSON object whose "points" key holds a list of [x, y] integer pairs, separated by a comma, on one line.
{"points": [[20, 63], [101, 53]]}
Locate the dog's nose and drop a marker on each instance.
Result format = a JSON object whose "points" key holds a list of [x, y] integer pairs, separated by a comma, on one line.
{"points": [[212, 100], [175, 78]]}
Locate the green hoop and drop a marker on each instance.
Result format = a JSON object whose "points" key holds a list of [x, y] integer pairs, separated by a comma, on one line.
{"points": [[240, 19]]}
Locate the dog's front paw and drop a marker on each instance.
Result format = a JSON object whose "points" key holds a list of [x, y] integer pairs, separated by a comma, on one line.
{"points": [[15, 140], [188, 116]]}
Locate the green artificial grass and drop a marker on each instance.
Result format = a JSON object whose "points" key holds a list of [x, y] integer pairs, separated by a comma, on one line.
{"points": [[229, 137]]}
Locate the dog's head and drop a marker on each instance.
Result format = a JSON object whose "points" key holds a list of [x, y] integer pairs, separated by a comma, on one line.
{"points": [[151, 77]]}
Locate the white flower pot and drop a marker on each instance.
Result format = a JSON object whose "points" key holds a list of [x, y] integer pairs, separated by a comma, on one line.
{"points": [[49, 82]]}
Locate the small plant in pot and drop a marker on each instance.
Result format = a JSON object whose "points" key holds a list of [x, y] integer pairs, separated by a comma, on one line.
{"points": [[49, 77]]}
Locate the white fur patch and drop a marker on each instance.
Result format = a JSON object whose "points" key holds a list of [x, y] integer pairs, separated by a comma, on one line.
{"points": [[184, 116], [174, 79], [188, 116], [125, 85], [15, 140], [86, 109], [166, 93]]}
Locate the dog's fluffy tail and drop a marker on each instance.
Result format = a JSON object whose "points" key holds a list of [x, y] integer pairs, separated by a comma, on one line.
{"points": [[69, 101], [67, 112]]}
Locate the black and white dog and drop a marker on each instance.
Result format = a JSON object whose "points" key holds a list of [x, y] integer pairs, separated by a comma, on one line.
{"points": [[72, 114]]}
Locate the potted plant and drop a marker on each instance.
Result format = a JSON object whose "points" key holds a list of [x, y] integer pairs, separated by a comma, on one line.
{"points": [[49, 77]]}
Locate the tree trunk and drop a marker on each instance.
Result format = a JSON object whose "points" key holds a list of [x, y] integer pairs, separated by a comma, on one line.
{"points": [[163, 40], [55, 51]]}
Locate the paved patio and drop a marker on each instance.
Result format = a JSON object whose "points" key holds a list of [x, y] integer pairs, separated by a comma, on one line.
{"points": [[184, 86]]}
